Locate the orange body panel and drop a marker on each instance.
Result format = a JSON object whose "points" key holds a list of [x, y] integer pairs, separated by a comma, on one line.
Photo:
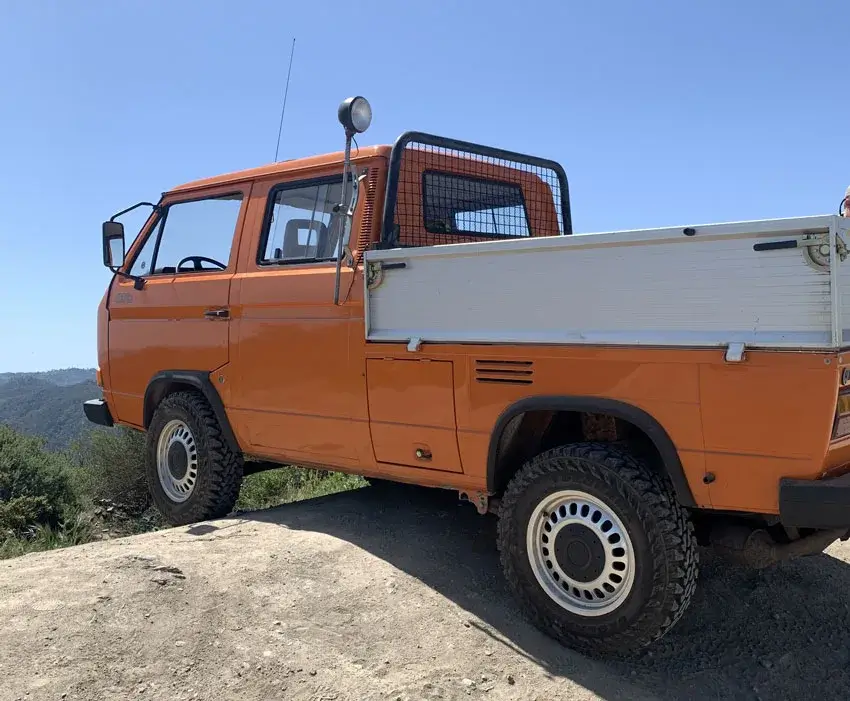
{"points": [[412, 413], [301, 384], [286, 170], [296, 393], [163, 326], [293, 390]]}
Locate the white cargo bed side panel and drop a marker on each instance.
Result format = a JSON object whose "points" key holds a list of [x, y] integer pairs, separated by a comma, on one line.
{"points": [[655, 287]]}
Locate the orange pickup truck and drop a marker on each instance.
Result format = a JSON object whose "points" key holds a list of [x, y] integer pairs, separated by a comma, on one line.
{"points": [[424, 313]]}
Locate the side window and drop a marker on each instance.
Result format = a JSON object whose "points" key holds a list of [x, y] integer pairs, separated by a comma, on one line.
{"points": [[456, 204], [303, 226], [197, 236]]}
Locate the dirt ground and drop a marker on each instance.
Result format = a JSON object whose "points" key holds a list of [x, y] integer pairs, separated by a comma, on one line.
{"points": [[377, 595]]}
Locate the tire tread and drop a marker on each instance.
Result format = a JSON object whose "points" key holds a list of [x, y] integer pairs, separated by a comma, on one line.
{"points": [[223, 465], [671, 540]]}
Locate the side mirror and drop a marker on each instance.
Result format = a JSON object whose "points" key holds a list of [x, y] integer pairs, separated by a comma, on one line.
{"points": [[113, 244]]}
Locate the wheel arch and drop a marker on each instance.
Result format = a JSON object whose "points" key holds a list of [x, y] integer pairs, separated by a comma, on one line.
{"points": [[498, 474], [169, 381]]}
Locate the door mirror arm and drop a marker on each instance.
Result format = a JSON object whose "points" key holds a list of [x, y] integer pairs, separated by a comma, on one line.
{"points": [[114, 247]]}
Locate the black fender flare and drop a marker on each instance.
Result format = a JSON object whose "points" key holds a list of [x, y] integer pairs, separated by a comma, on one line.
{"points": [[612, 407], [161, 384]]}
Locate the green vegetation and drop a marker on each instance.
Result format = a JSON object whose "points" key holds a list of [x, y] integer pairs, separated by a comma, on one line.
{"points": [[35, 488], [109, 468], [52, 499], [263, 490], [75, 532], [93, 486]]}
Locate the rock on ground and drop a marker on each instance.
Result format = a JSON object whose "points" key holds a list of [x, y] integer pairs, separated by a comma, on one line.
{"points": [[384, 594]]}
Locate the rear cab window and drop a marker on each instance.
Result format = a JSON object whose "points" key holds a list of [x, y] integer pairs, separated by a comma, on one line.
{"points": [[462, 204], [444, 191], [301, 223]]}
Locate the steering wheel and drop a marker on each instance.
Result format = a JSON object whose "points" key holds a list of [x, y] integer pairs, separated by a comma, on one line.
{"points": [[197, 260]]}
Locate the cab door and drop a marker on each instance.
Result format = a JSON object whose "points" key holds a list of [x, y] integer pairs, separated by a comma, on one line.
{"points": [[181, 319], [297, 392]]}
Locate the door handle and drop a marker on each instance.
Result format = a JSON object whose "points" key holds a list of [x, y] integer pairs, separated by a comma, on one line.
{"points": [[217, 313]]}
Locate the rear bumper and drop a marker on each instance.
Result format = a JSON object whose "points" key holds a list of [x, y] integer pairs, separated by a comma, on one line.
{"points": [[815, 503], [97, 411]]}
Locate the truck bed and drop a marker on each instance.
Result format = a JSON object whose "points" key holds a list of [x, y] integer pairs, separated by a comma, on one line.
{"points": [[751, 283]]}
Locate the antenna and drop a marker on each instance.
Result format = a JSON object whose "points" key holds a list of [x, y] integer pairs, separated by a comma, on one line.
{"points": [[285, 94], [279, 132]]}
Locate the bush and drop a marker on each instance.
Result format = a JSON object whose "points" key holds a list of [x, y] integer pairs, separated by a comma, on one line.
{"points": [[98, 489], [110, 466], [283, 485], [74, 531], [34, 485]]}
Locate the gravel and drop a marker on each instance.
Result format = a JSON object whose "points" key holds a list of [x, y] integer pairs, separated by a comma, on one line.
{"points": [[385, 594]]}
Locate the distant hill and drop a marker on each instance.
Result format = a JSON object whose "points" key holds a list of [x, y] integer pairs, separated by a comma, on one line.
{"points": [[62, 378], [48, 404]]}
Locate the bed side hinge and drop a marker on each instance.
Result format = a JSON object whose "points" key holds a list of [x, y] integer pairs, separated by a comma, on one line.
{"points": [[375, 271], [815, 247], [735, 352]]}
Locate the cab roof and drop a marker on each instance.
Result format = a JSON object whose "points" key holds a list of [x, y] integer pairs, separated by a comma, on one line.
{"points": [[284, 167]]}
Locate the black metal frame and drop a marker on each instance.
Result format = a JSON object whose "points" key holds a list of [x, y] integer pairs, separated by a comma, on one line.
{"points": [[464, 146], [135, 206]]}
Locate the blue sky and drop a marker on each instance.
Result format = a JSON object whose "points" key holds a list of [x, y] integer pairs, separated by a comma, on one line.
{"points": [[662, 113]]}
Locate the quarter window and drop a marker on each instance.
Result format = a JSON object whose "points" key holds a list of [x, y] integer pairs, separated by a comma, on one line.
{"points": [[143, 264], [303, 226]]}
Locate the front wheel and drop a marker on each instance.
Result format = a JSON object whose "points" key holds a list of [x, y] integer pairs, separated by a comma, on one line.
{"points": [[193, 475], [596, 549]]}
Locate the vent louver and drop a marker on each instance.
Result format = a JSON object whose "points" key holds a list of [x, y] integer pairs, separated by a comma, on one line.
{"points": [[367, 222], [504, 372]]}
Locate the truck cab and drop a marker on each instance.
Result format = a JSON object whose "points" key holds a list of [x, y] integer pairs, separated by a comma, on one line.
{"points": [[422, 313], [228, 289]]}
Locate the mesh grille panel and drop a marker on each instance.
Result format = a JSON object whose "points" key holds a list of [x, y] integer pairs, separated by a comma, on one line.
{"points": [[447, 191]]}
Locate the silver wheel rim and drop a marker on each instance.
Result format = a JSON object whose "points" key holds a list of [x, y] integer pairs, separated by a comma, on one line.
{"points": [[568, 528], [177, 461]]}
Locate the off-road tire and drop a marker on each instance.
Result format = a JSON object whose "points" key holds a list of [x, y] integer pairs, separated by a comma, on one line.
{"points": [[219, 467], [665, 549]]}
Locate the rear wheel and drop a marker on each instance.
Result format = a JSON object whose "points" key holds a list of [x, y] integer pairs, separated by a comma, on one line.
{"points": [[596, 549], [193, 475]]}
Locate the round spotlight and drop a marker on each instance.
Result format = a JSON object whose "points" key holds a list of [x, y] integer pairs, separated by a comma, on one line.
{"points": [[355, 114]]}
